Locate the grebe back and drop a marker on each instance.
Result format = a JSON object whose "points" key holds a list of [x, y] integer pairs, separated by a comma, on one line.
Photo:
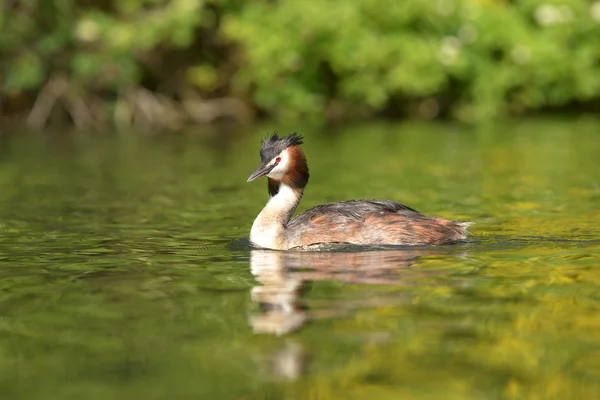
{"points": [[360, 222]]}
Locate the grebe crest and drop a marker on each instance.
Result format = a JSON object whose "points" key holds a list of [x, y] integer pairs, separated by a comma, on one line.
{"points": [[359, 222]]}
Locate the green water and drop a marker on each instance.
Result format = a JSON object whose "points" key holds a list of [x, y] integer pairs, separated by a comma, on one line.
{"points": [[125, 270]]}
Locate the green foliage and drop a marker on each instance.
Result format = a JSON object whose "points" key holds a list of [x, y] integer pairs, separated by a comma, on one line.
{"points": [[475, 59], [489, 58]]}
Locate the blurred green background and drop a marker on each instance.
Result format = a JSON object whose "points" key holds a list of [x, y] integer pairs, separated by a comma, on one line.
{"points": [[170, 62]]}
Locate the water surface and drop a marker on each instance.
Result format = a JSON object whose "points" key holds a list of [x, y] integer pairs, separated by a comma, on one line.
{"points": [[125, 270]]}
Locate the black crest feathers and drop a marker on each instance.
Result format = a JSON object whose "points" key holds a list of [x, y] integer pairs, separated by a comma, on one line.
{"points": [[271, 147]]}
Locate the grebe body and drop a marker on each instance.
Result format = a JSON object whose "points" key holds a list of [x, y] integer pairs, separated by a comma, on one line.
{"points": [[359, 222]]}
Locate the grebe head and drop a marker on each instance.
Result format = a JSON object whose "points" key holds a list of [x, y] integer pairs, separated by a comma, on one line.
{"points": [[282, 161]]}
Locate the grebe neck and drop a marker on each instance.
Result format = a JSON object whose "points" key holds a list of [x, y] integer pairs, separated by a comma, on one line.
{"points": [[269, 226]]}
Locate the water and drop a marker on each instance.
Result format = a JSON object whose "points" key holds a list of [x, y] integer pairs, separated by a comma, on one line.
{"points": [[125, 270]]}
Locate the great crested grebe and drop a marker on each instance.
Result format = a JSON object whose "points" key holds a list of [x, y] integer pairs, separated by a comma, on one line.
{"points": [[359, 222]]}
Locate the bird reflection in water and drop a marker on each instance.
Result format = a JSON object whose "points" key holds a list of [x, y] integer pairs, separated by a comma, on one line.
{"points": [[283, 275]]}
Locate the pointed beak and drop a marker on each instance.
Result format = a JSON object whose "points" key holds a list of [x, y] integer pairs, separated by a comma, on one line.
{"points": [[261, 171]]}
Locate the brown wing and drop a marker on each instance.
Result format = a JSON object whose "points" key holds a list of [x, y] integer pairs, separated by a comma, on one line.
{"points": [[373, 222], [354, 209]]}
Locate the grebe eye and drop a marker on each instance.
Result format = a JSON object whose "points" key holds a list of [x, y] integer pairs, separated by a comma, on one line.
{"points": [[278, 159]]}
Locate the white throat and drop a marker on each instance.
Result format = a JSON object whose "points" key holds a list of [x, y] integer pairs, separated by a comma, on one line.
{"points": [[268, 229]]}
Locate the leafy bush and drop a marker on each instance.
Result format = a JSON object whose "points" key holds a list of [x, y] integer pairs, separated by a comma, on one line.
{"points": [[486, 58], [163, 60]]}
